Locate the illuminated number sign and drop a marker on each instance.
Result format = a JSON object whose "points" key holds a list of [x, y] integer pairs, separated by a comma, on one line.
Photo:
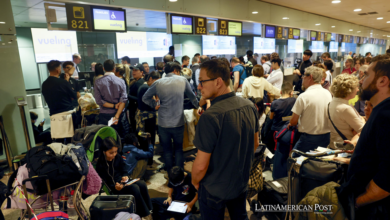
{"points": [[290, 33], [222, 27], [79, 17], [200, 25], [279, 32]]}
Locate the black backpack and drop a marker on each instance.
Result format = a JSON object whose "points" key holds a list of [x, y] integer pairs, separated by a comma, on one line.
{"points": [[43, 161]]}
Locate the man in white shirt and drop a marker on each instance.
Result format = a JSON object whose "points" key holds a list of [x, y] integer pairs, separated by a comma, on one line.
{"points": [[310, 110], [76, 61], [276, 77]]}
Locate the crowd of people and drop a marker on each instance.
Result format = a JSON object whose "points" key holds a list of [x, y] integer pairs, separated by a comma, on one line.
{"points": [[229, 97]]}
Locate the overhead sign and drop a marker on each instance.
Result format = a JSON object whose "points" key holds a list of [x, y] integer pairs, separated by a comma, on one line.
{"points": [[222, 27], [270, 31], [328, 37], [279, 32], [234, 28], [313, 35], [181, 24], [290, 33], [109, 19], [200, 25], [263, 45], [297, 34], [78, 17], [320, 36]]}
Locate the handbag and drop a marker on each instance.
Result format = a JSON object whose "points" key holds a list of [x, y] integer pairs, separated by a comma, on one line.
{"points": [[92, 182], [255, 183]]}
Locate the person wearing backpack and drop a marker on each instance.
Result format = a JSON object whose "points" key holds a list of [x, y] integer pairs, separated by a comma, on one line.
{"points": [[239, 74], [266, 65], [112, 169]]}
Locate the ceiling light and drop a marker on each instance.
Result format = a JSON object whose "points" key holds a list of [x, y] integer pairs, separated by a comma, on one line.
{"points": [[255, 12], [333, 26], [285, 18], [173, 0], [380, 18], [2, 22], [388, 22], [358, 9], [350, 29], [318, 24], [359, 31], [335, 2]]}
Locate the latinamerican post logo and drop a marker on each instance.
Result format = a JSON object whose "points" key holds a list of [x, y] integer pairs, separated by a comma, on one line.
{"points": [[316, 208]]}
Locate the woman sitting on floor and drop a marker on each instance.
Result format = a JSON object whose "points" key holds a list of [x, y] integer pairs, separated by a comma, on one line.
{"points": [[112, 169]]}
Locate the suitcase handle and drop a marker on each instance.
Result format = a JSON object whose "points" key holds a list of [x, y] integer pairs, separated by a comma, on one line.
{"points": [[321, 154], [34, 178]]}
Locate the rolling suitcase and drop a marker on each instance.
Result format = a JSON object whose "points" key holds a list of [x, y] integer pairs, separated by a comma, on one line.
{"points": [[304, 176], [107, 207]]}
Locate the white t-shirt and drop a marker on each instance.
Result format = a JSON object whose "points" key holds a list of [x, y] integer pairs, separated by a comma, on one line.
{"points": [[276, 78], [329, 77], [312, 107]]}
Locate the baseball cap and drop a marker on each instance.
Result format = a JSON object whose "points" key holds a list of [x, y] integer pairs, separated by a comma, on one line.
{"points": [[138, 67]]}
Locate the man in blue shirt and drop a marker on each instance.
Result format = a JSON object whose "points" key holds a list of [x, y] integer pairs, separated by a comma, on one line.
{"points": [[170, 91], [239, 74]]}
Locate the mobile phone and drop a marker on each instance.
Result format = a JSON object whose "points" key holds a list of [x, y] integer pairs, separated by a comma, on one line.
{"points": [[131, 182], [43, 120]]}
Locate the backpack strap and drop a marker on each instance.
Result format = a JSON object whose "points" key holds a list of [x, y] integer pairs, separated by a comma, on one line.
{"points": [[292, 139], [339, 132]]}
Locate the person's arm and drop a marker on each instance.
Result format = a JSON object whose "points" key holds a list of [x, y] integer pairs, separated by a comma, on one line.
{"points": [[236, 80], [257, 142], [120, 106], [135, 87], [192, 203], [372, 194], [353, 119], [293, 120], [70, 91], [271, 116], [199, 168], [169, 199], [245, 91], [78, 95], [98, 98], [190, 94], [272, 79], [270, 88], [148, 96]]}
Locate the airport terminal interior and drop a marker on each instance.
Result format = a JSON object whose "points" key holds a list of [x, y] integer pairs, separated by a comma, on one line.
{"points": [[232, 109]]}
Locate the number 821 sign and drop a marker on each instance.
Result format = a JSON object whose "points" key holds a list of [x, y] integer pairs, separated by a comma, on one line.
{"points": [[79, 17]]}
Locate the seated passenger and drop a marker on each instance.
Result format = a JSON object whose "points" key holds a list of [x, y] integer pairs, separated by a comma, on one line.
{"points": [[180, 189], [282, 107], [111, 168], [344, 117], [39, 134], [136, 159]]}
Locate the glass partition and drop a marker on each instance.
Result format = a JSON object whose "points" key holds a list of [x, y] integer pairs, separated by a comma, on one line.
{"points": [[95, 53]]}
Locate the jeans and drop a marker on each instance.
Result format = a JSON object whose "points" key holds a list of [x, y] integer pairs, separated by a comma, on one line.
{"points": [[166, 136], [214, 208], [309, 142]]}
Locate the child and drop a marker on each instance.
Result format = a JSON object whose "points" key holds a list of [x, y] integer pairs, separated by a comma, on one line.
{"points": [[135, 158], [39, 134], [180, 189], [282, 107]]}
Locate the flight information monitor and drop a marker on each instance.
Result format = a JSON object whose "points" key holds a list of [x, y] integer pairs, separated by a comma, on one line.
{"points": [[317, 46], [234, 28], [108, 19], [313, 35], [333, 46], [181, 24], [295, 46], [263, 45], [270, 31], [218, 45]]}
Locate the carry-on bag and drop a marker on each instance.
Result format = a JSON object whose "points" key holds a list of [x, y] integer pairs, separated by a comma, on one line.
{"points": [[313, 171], [53, 215], [107, 207]]}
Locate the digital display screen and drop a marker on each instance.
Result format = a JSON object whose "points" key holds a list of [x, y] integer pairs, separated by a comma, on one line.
{"points": [[263, 45], [333, 46], [313, 35], [105, 19], [234, 28], [137, 44], [53, 45], [333, 37], [295, 46], [328, 37], [342, 47], [218, 45], [181, 24], [317, 46], [297, 34], [270, 31]]}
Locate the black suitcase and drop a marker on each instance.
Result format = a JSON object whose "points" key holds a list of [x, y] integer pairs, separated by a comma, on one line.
{"points": [[106, 207]]}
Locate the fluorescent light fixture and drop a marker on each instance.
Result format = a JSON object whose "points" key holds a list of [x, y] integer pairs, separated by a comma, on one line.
{"points": [[173, 0], [318, 24], [255, 12], [336, 2], [359, 31], [333, 26], [358, 9], [388, 22], [380, 18], [285, 18], [2, 22], [350, 29]]}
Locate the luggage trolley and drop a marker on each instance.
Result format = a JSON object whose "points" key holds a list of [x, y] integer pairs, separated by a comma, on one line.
{"points": [[81, 211]]}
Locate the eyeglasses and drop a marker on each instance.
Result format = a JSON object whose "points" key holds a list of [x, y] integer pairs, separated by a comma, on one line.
{"points": [[177, 184], [202, 81]]}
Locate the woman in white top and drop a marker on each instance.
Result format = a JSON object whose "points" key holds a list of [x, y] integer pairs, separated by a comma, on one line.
{"points": [[344, 117], [256, 84]]}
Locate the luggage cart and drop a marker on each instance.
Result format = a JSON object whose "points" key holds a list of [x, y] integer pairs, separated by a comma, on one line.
{"points": [[79, 208]]}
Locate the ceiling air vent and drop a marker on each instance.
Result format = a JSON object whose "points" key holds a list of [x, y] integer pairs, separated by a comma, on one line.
{"points": [[372, 13], [362, 14]]}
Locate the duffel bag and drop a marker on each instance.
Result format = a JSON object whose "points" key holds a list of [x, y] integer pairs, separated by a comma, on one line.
{"points": [[107, 207], [43, 161]]}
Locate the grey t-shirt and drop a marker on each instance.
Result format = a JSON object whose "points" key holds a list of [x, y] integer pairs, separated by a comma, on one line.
{"points": [[227, 131]]}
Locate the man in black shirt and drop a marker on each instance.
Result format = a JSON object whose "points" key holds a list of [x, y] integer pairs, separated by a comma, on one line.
{"points": [[301, 70], [368, 176], [68, 67], [138, 72], [226, 137], [146, 114], [57, 92]]}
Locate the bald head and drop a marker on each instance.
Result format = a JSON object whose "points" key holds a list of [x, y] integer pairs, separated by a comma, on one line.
{"points": [[168, 58], [204, 58]]}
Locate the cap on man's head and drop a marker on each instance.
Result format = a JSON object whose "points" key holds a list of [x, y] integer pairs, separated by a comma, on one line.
{"points": [[138, 67]]}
